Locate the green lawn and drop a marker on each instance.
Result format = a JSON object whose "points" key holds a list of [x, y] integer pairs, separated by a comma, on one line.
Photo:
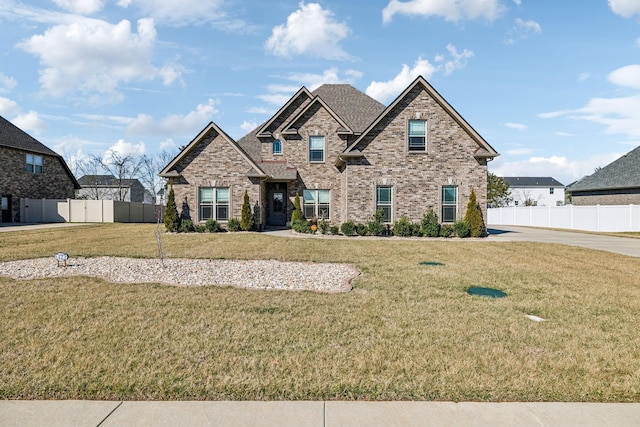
{"points": [[407, 331]]}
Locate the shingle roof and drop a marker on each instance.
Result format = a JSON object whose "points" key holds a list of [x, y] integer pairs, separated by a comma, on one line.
{"points": [[532, 181], [251, 144], [355, 108], [279, 170], [621, 173], [13, 137]]}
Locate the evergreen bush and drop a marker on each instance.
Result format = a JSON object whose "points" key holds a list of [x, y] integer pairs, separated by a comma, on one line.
{"points": [[302, 226], [212, 226], [323, 226], [297, 213], [334, 229], [446, 230], [246, 217], [462, 229], [361, 229], [402, 227], [199, 228], [233, 224], [348, 228], [171, 218], [416, 229], [186, 226], [429, 225], [473, 217], [376, 225]]}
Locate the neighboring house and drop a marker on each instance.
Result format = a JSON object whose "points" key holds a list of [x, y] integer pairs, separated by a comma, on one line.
{"points": [[108, 187], [29, 170], [535, 191], [345, 154], [618, 183]]}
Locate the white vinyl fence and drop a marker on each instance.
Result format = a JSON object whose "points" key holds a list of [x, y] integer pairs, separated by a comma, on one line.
{"points": [[48, 210], [588, 218]]}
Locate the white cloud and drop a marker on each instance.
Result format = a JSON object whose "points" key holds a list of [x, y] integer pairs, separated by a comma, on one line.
{"points": [[518, 2], [7, 83], [248, 126], [628, 76], [310, 30], [82, 7], [564, 134], [519, 151], [522, 30], [517, 126], [260, 110], [183, 12], [583, 76], [459, 60], [95, 56], [123, 149], [30, 123], [383, 91], [174, 125], [449, 10], [167, 145], [329, 76], [275, 98], [564, 170], [625, 8], [8, 107]]}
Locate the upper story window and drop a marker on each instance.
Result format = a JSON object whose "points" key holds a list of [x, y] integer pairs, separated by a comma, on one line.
{"points": [[417, 135], [276, 147], [316, 148], [551, 190], [34, 163], [214, 203]]}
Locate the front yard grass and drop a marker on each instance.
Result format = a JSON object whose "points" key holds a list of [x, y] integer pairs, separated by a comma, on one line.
{"points": [[406, 332]]}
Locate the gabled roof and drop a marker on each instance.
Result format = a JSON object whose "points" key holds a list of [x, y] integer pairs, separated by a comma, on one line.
{"points": [[169, 171], [355, 108], [485, 150], [532, 181], [344, 128], [622, 173], [263, 131], [12, 136]]}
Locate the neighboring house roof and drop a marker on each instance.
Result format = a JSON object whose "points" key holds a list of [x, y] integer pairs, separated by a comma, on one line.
{"points": [[170, 172], [532, 181], [12, 136], [484, 149], [621, 174], [105, 181]]}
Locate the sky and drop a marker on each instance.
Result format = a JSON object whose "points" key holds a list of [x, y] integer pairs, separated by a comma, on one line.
{"points": [[553, 86]]}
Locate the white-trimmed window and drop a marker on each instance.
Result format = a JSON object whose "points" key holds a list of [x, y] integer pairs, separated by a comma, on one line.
{"points": [[449, 203], [34, 163], [214, 203], [316, 204], [316, 149], [276, 147], [417, 135], [384, 201]]}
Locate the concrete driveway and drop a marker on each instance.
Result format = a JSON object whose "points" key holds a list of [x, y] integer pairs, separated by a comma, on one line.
{"points": [[620, 245]]}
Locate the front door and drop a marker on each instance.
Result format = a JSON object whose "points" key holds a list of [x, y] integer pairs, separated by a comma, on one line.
{"points": [[277, 207], [6, 209]]}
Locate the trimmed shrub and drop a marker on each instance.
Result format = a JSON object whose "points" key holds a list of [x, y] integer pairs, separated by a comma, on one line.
{"points": [[186, 226], [462, 229], [171, 217], [297, 213], [199, 228], [402, 227], [416, 229], [334, 230], [376, 225], [348, 228], [361, 230], [473, 217], [446, 230], [429, 225], [323, 226], [212, 226], [246, 217], [302, 226], [233, 224]]}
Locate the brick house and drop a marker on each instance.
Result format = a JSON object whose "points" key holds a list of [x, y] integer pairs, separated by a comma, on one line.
{"points": [[345, 154], [108, 187], [618, 183], [29, 170]]}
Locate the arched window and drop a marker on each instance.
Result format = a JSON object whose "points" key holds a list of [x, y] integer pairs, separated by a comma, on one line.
{"points": [[277, 147]]}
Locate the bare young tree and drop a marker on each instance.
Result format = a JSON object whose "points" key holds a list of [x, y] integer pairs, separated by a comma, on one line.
{"points": [[90, 169], [123, 167], [150, 167]]}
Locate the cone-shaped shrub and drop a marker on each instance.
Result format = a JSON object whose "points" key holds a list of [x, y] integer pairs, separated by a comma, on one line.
{"points": [[473, 217], [171, 218], [297, 213], [246, 218]]}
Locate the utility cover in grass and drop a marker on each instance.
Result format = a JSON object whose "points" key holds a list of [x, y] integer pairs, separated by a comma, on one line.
{"points": [[486, 292], [431, 263]]}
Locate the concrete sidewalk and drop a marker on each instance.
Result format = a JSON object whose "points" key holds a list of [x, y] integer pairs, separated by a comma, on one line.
{"points": [[72, 413]]}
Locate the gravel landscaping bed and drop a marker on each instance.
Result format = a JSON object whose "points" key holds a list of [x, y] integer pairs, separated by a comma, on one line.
{"points": [[253, 274]]}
